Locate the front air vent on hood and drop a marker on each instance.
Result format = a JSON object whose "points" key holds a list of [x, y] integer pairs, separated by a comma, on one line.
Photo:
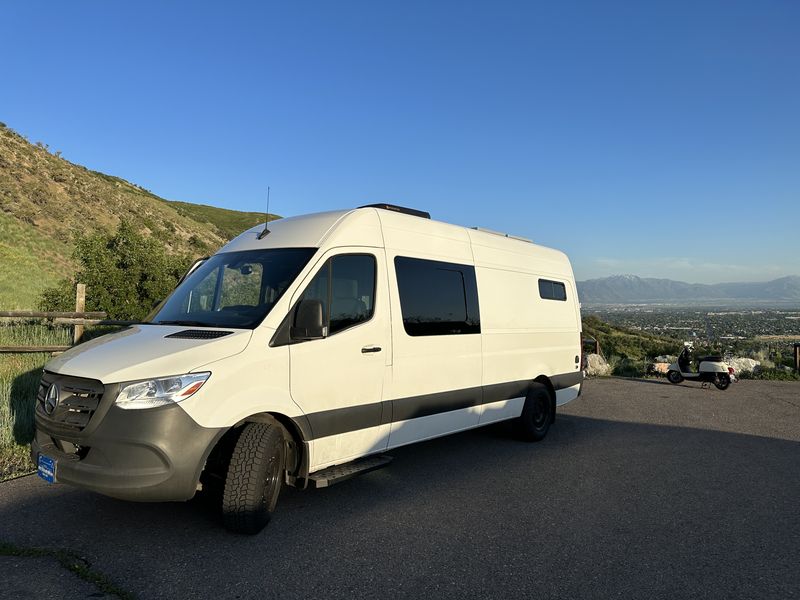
{"points": [[198, 334]]}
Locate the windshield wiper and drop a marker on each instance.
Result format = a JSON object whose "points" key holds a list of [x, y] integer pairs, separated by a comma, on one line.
{"points": [[190, 323]]}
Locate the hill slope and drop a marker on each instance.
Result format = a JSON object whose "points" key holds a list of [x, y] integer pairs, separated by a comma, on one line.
{"points": [[631, 289], [45, 200]]}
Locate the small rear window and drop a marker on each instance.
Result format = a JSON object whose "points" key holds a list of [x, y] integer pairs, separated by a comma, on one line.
{"points": [[552, 290]]}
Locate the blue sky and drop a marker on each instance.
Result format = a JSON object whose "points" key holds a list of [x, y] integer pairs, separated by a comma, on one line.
{"points": [[659, 139]]}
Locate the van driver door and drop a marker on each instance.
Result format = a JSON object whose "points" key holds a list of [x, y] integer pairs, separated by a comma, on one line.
{"points": [[338, 380]]}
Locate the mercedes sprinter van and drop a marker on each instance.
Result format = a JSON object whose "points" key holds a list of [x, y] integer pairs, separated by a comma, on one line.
{"points": [[301, 352]]}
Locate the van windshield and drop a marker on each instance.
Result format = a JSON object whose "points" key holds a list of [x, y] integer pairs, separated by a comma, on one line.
{"points": [[232, 289]]}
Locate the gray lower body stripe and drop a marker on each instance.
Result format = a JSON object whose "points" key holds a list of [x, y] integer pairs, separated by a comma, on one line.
{"points": [[566, 380], [352, 418], [433, 404]]}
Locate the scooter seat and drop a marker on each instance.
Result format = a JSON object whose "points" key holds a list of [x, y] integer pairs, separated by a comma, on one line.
{"points": [[709, 359]]}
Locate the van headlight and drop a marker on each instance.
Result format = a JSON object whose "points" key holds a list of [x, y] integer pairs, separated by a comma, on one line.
{"points": [[158, 392]]}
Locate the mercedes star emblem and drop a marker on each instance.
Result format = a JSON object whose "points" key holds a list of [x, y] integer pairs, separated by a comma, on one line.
{"points": [[51, 399]]}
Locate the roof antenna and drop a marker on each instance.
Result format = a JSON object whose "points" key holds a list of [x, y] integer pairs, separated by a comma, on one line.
{"points": [[266, 231]]}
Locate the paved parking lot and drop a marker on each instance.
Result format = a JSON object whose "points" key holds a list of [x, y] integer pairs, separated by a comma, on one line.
{"points": [[641, 489]]}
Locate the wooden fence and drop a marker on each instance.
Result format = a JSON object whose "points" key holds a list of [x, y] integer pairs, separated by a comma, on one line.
{"points": [[78, 319]]}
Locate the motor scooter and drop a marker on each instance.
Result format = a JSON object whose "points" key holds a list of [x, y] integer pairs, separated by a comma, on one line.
{"points": [[710, 369]]}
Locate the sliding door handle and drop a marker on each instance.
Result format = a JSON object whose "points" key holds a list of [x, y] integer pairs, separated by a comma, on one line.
{"points": [[368, 349]]}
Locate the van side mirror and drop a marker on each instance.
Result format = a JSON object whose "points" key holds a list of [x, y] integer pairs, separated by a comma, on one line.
{"points": [[309, 321]]}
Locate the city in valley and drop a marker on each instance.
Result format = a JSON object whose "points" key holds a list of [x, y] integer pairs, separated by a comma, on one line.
{"points": [[736, 329]]}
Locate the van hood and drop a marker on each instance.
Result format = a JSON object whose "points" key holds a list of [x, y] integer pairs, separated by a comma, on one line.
{"points": [[145, 352]]}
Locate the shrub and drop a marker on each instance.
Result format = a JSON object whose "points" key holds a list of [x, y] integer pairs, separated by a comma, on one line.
{"points": [[773, 374], [125, 274]]}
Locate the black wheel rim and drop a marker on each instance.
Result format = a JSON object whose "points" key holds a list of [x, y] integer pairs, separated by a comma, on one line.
{"points": [[539, 413], [272, 481]]}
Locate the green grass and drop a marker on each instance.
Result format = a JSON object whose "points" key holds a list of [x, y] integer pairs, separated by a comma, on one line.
{"points": [[29, 262], [19, 381]]}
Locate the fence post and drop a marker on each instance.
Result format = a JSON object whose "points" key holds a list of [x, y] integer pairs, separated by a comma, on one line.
{"points": [[80, 306], [797, 357]]}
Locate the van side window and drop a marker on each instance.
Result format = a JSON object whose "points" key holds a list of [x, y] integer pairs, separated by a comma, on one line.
{"points": [[437, 298], [346, 287], [552, 290]]}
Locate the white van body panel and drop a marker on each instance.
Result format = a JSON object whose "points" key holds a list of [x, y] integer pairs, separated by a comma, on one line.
{"points": [[502, 410], [145, 352], [567, 394], [524, 336], [247, 384], [433, 426]]}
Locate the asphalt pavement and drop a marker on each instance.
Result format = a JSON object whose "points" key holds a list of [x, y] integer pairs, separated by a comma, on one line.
{"points": [[642, 489]]}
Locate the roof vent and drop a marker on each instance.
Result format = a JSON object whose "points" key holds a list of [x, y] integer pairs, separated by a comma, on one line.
{"points": [[400, 209], [198, 334]]}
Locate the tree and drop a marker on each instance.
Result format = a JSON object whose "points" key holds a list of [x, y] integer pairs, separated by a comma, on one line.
{"points": [[125, 274]]}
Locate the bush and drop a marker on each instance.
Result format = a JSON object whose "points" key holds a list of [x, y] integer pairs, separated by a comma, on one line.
{"points": [[125, 274], [773, 374], [627, 367]]}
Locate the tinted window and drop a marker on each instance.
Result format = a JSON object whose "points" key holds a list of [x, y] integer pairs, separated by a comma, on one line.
{"points": [[233, 289], [552, 290], [437, 298], [346, 287]]}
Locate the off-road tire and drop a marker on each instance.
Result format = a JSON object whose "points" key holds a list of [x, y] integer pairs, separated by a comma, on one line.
{"points": [[537, 414], [254, 478], [722, 381], [674, 377]]}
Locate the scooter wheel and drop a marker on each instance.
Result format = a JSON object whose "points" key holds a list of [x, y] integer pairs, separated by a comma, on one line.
{"points": [[722, 381], [674, 377]]}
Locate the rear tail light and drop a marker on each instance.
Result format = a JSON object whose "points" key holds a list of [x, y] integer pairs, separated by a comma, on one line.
{"points": [[731, 370]]}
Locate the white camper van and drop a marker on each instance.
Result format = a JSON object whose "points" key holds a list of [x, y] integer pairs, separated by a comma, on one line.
{"points": [[300, 353]]}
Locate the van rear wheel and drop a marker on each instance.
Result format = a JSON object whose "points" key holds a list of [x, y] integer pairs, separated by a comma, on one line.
{"points": [[533, 424], [254, 478]]}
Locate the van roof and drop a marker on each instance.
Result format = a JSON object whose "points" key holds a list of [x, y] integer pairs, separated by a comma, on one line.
{"points": [[304, 231], [311, 230]]}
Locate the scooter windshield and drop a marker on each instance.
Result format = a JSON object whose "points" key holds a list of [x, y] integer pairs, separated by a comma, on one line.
{"points": [[232, 289]]}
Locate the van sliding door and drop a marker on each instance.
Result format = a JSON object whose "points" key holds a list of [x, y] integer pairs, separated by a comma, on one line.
{"points": [[436, 373]]}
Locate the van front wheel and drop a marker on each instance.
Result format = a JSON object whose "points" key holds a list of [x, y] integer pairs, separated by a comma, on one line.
{"points": [[254, 478], [536, 416]]}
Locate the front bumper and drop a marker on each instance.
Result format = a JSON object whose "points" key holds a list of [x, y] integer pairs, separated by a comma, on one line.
{"points": [[154, 454]]}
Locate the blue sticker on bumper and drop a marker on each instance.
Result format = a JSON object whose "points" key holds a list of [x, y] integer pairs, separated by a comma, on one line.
{"points": [[47, 468]]}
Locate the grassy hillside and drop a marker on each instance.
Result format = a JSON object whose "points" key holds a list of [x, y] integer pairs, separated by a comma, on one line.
{"points": [[629, 343], [227, 223], [29, 262], [45, 200]]}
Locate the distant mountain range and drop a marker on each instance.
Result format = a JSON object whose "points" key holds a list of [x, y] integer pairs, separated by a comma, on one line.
{"points": [[630, 289]]}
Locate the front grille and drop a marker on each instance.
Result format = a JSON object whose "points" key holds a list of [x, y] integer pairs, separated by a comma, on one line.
{"points": [[78, 399], [198, 334]]}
